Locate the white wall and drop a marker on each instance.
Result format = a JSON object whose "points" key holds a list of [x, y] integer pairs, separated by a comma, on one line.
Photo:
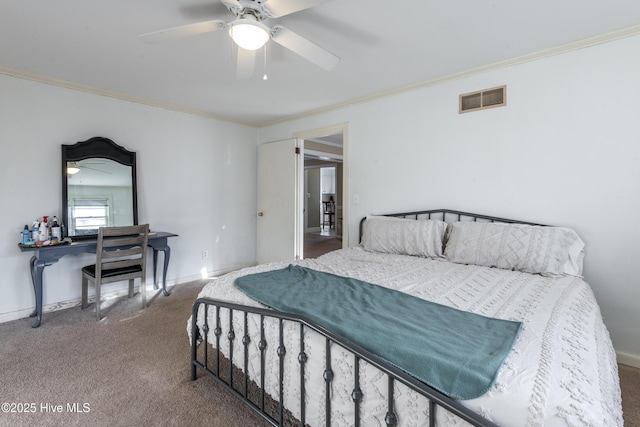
{"points": [[564, 151], [196, 178]]}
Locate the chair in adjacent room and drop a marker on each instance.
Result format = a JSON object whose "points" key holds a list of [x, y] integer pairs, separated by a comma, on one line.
{"points": [[328, 214], [121, 254]]}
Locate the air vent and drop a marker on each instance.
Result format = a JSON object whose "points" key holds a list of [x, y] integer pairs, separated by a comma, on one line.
{"points": [[481, 100]]}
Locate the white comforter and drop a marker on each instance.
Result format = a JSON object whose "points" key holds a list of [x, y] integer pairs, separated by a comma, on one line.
{"points": [[561, 372]]}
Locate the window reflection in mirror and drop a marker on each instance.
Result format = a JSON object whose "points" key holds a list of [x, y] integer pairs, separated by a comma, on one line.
{"points": [[99, 194]]}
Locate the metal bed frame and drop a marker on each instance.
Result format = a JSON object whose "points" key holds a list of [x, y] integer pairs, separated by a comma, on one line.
{"points": [[240, 387], [448, 215]]}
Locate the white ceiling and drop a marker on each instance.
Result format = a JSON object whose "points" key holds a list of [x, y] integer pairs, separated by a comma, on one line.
{"points": [[383, 45]]}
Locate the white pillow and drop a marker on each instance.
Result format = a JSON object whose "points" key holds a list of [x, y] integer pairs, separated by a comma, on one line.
{"points": [[418, 237], [550, 251]]}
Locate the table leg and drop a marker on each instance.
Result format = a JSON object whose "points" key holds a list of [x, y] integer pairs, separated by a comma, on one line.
{"points": [[167, 254], [155, 265], [37, 268]]}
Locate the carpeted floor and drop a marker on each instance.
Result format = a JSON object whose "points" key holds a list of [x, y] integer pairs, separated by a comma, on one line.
{"points": [[630, 385], [132, 368]]}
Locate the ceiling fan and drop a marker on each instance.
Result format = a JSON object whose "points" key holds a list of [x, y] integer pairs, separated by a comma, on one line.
{"points": [[75, 167], [249, 32]]}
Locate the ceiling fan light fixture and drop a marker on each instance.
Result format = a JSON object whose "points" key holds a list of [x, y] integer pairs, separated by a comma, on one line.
{"points": [[248, 33], [72, 168]]}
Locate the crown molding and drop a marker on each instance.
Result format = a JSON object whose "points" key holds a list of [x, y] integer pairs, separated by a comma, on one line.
{"points": [[117, 95], [558, 50], [546, 53]]}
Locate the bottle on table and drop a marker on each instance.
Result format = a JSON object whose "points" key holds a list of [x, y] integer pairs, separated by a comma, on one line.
{"points": [[55, 229], [26, 235]]}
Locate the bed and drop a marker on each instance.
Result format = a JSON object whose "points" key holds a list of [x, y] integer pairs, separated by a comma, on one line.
{"points": [[559, 370]]}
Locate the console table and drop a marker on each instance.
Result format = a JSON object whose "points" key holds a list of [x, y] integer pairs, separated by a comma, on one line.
{"points": [[48, 255]]}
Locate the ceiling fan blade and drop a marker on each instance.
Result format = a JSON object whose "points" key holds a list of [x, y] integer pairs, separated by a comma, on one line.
{"points": [[183, 31], [246, 62], [278, 8], [97, 170], [231, 3], [303, 47]]}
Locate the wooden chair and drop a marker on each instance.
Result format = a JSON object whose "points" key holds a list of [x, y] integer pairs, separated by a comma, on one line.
{"points": [[328, 214], [121, 255]]}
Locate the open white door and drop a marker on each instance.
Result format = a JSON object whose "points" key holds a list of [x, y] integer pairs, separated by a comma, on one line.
{"points": [[279, 187]]}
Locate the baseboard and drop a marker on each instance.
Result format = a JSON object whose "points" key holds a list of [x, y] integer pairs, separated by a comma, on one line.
{"points": [[61, 305], [216, 273], [628, 359]]}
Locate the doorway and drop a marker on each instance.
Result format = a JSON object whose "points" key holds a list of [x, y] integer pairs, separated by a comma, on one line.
{"points": [[323, 194], [282, 215]]}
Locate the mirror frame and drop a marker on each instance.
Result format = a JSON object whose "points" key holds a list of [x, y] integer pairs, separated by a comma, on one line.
{"points": [[96, 147]]}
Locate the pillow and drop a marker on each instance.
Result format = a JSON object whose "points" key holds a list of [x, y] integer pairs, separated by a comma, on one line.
{"points": [[418, 237], [550, 251]]}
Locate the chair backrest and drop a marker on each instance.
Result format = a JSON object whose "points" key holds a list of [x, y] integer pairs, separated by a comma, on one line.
{"points": [[122, 252], [328, 207]]}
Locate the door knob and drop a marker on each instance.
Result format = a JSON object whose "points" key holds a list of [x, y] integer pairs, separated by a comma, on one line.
{"points": [[260, 213]]}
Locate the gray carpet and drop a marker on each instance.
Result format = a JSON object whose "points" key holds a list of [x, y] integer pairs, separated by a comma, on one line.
{"points": [[132, 368], [630, 385]]}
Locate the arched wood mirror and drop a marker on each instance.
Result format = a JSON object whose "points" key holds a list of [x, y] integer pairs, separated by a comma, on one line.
{"points": [[98, 187]]}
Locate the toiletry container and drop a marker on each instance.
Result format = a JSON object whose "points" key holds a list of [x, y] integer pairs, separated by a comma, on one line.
{"points": [[34, 231], [55, 229], [26, 235], [43, 230]]}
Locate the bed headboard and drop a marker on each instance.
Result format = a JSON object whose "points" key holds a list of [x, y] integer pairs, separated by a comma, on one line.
{"points": [[448, 216]]}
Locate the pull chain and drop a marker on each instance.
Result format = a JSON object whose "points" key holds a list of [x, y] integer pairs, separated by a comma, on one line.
{"points": [[265, 64]]}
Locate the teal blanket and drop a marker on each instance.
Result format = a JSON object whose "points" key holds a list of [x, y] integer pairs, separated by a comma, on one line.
{"points": [[455, 352]]}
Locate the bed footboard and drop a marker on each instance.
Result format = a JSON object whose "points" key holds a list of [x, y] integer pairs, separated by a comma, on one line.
{"points": [[229, 370]]}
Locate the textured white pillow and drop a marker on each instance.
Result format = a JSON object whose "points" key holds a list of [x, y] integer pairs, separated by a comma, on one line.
{"points": [[550, 251], [418, 237]]}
